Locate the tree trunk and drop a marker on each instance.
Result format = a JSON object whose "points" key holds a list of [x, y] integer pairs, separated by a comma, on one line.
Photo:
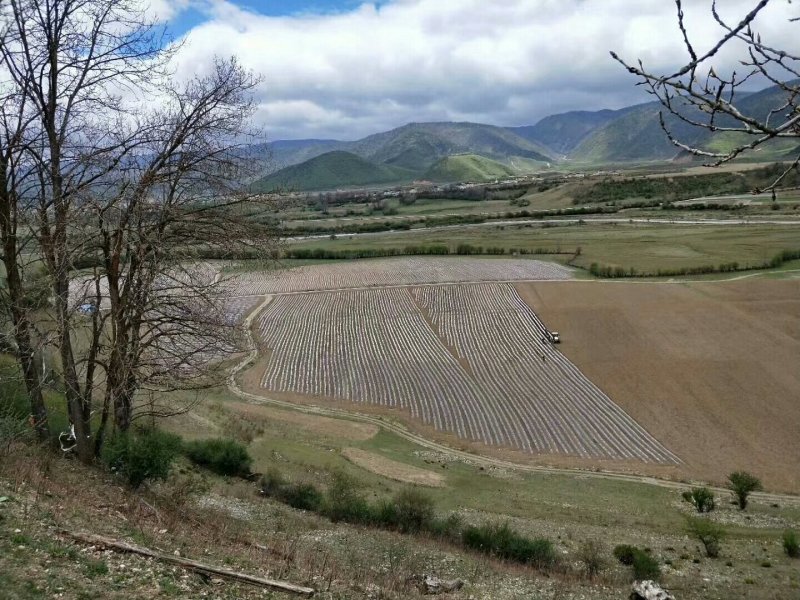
{"points": [[19, 314]]}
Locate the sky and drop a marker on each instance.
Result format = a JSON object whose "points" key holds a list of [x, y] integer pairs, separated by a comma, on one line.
{"points": [[344, 69]]}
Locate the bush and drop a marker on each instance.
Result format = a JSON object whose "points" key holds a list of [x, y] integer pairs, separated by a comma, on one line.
{"points": [[272, 482], [344, 502], [624, 553], [144, 455], [503, 542], [708, 532], [304, 496], [742, 484], [413, 510], [13, 427], [222, 456], [448, 528], [701, 498], [645, 566], [791, 544], [591, 555]]}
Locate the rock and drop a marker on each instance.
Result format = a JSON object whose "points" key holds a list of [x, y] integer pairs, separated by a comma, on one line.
{"points": [[649, 590], [431, 586]]}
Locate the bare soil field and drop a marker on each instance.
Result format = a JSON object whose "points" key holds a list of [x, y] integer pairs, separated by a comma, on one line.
{"points": [[417, 270], [407, 348], [711, 369]]}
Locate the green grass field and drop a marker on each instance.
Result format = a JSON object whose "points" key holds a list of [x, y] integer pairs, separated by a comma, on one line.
{"points": [[644, 247]]}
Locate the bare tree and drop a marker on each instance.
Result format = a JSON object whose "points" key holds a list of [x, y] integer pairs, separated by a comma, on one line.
{"points": [[133, 177], [700, 96]]}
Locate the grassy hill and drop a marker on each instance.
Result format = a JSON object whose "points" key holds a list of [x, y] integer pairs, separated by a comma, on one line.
{"points": [[330, 171], [419, 145], [635, 134], [563, 132], [467, 167]]}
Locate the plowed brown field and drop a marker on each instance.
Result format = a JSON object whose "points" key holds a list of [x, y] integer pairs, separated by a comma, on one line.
{"points": [[711, 369]]}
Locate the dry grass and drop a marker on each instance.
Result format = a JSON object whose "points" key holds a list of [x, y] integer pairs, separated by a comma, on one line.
{"points": [[393, 469]]}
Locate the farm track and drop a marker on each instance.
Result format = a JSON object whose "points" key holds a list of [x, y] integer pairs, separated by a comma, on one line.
{"points": [[485, 461]]}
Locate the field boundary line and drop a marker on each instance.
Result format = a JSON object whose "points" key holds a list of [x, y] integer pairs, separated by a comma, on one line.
{"points": [[470, 457]]}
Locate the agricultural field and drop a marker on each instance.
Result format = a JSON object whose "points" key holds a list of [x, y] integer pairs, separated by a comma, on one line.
{"points": [[646, 247], [710, 368], [392, 272], [467, 359]]}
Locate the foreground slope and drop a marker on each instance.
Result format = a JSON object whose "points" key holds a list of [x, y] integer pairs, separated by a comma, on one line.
{"points": [[711, 369]]}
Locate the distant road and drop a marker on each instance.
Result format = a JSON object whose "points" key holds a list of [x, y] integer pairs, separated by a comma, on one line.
{"points": [[569, 221]]}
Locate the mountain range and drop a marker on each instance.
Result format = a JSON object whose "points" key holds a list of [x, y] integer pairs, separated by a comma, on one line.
{"points": [[451, 152]]}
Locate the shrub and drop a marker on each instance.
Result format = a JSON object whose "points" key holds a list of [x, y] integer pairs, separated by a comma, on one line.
{"points": [[13, 427], [414, 510], [448, 528], [791, 544], [742, 484], [344, 502], [708, 532], [624, 553], [222, 456], [272, 482], [591, 555], [143, 455], [385, 514], [304, 496], [503, 542], [701, 498], [645, 566]]}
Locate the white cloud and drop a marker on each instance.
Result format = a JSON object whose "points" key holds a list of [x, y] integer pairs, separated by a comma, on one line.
{"points": [[508, 62], [164, 10]]}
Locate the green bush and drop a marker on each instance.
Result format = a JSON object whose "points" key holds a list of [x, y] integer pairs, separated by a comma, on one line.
{"points": [[645, 566], [344, 502], [791, 544], [272, 482], [448, 528], [222, 456], [707, 532], [414, 510], [503, 542], [701, 498], [142, 455], [304, 496], [624, 553], [742, 484]]}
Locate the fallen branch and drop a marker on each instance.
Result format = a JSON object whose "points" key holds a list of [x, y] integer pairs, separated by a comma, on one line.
{"points": [[192, 565]]}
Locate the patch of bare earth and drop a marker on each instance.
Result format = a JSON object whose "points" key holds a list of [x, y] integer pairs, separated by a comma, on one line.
{"points": [[709, 368], [392, 469]]}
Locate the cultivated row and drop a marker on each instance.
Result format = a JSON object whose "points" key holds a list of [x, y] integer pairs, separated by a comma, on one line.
{"points": [[548, 404], [393, 272], [465, 359]]}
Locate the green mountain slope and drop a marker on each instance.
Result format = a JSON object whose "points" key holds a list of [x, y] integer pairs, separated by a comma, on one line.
{"points": [[418, 146], [467, 167], [636, 134], [561, 133], [331, 170]]}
